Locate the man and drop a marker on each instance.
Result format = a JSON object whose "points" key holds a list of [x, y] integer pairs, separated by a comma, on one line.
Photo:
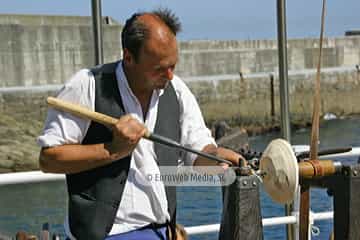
{"points": [[101, 164]]}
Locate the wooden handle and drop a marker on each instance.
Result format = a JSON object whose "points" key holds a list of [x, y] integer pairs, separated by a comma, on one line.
{"points": [[80, 111], [84, 112]]}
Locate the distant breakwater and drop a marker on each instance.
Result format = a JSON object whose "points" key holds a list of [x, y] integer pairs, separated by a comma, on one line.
{"points": [[254, 99]]}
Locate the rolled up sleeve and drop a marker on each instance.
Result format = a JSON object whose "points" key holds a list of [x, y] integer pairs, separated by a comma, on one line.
{"points": [[63, 128], [194, 133]]}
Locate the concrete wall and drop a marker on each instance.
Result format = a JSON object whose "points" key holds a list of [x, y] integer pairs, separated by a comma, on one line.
{"points": [[252, 56], [35, 53], [51, 20], [33, 47], [244, 101], [247, 100]]}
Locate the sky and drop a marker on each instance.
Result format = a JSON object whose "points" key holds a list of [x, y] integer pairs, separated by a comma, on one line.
{"points": [[214, 19]]}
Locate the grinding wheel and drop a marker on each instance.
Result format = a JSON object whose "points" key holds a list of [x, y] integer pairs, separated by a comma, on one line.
{"points": [[281, 173]]}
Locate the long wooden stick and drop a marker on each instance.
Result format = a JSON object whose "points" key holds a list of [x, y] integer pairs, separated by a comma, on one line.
{"points": [[86, 113], [305, 193], [81, 111]]}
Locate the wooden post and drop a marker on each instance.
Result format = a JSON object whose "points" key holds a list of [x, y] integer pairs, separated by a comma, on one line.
{"points": [[241, 217]]}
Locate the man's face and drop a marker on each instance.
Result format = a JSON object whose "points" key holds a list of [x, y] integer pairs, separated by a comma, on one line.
{"points": [[156, 63]]}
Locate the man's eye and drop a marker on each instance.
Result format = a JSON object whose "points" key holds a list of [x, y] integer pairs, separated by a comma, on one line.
{"points": [[159, 69]]}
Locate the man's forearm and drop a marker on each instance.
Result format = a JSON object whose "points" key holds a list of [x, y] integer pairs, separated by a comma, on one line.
{"points": [[75, 158], [202, 161]]}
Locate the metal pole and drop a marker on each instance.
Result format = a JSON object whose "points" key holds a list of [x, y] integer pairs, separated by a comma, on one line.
{"points": [[284, 92], [283, 70], [97, 29], [272, 99]]}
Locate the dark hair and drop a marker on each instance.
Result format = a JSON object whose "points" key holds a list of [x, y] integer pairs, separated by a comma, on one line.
{"points": [[169, 18], [135, 32]]}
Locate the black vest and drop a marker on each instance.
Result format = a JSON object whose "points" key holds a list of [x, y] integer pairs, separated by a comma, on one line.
{"points": [[94, 195]]}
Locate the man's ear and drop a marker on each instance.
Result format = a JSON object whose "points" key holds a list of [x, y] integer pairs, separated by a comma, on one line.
{"points": [[128, 58]]}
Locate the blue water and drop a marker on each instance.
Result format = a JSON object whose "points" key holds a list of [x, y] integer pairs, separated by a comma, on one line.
{"points": [[27, 207]]}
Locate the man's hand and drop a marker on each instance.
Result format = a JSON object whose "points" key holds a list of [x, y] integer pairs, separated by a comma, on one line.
{"points": [[230, 155], [224, 153], [74, 158], [126, 134]]}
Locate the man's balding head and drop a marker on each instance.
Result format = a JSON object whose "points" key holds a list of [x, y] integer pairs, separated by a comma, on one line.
{"points": [[140, 26]]}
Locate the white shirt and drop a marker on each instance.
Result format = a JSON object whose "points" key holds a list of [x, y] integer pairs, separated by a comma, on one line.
{"points": [[140, 205]]}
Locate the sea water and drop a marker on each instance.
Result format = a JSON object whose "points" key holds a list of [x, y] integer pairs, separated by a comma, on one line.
{"points": [[28, 206]]}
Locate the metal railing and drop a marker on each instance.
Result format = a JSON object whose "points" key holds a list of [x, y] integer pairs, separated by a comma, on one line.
{"points": [[38, 176], [266, 222]]}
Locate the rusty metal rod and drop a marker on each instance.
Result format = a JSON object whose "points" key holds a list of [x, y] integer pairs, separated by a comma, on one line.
{"points": [[306, 154]]}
